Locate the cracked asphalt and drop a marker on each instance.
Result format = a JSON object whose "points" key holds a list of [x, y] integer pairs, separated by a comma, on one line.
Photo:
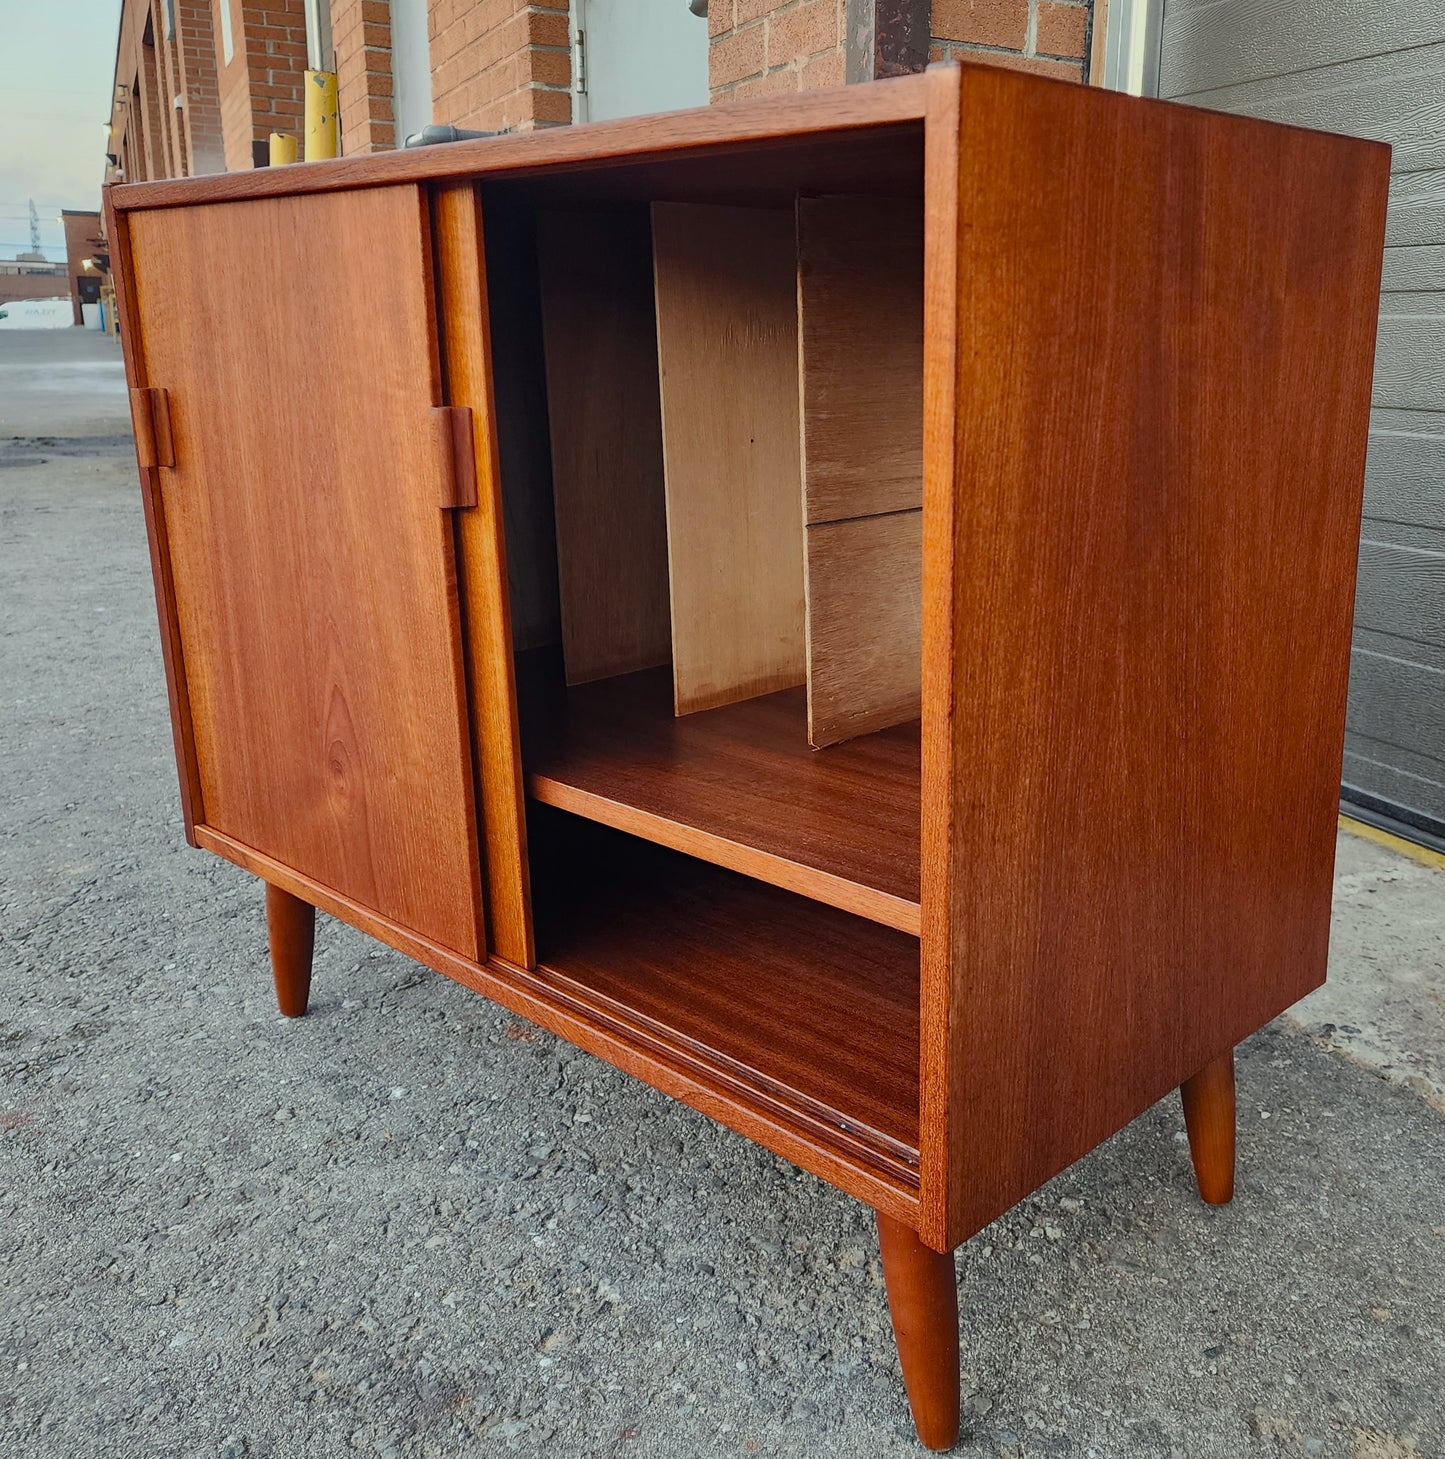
{"points": [[412, 1225]]}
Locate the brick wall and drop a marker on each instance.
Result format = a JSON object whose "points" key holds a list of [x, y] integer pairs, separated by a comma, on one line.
{"points": [[157, 163], [262, 89], [361, 37], [500, 63], [14, 287], [759, 47], [196, 47], [1047, 36]]}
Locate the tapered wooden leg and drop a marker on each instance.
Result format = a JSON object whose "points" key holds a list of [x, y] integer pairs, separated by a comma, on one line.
{"points": [[1209, 1117], [291, 933], [923, 1298]]}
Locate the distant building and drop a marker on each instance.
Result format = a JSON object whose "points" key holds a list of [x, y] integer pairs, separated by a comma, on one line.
{"points": [[31, 276], [87, 258]]}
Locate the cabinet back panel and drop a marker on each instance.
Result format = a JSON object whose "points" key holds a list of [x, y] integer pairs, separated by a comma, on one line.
{"points": [[606, 431], [865, 625], [314, 571], [523, 449], [860, 334]]}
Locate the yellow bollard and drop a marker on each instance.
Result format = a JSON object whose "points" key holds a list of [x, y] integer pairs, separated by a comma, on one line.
{"points": [[283, 149], [321, 121]]}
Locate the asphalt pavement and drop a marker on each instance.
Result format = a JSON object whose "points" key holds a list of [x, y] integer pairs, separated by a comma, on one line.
{"points": [[412, 1225]]}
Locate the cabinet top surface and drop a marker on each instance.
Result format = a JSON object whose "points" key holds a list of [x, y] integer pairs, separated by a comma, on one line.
{"points": [[708, 129]]}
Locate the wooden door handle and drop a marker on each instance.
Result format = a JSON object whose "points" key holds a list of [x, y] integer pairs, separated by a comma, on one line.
{"points": [[150, 413], [452, 432]]}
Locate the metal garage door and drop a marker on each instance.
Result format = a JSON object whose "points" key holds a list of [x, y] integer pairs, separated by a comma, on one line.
{"points": [[1377, 70]]}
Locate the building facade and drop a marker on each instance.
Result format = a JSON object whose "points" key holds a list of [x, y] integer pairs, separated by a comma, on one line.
{"points": [[201, 84], [87, 259]]}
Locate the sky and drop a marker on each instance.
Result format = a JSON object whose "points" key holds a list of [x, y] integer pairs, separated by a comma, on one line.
{"points": [[57, 62]]}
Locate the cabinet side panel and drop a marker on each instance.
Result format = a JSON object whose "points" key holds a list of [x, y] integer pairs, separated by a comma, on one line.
{"points": [[467, 359], [1163, 386]]}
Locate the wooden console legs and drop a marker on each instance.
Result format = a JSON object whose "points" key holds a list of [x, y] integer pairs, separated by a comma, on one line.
{"points": [[1209, 1117], [923, 1298], [291, 933]]}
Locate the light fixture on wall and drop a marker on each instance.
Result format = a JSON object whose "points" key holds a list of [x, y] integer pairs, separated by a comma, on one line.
{"points": [[698, 8]]}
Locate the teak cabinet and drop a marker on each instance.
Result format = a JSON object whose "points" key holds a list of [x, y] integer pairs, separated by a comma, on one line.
{"points": [[839, 606]]}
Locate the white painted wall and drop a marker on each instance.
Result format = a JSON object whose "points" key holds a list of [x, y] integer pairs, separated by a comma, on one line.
{"points": [[637, 56], [410, 68]]}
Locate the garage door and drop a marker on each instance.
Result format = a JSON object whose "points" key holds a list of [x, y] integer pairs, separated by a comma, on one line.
{"points": [[1377, 70]]}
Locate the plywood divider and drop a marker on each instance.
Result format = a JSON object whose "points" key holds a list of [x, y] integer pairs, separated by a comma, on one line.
{"points": [[728, 358], [860, 361], [865, 625], [600, 333]]}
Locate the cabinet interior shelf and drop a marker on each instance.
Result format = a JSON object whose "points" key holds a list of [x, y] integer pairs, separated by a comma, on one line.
{"points": [[737, 786], [800, 1008]]}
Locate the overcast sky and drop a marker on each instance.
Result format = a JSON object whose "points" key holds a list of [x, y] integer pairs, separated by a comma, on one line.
{"points": [[58, 58]]}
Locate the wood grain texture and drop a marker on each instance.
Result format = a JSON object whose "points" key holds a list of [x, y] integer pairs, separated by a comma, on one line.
{"points": [[727, 345], [1143, 597], [682, 1071], [466, 352], [865, 624], [860, 355], [1209, 1118], [923, 1302], [817, 1006], [519, 392], [605, 421], [456, 456], [150, 416], [291, 939], [751, 127], [736, 786], [157, 537], [884, 162], [936, 800], [313, 571]]}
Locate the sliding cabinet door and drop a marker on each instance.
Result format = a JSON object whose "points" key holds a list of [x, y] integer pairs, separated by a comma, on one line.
{"points": [[311, 552]]}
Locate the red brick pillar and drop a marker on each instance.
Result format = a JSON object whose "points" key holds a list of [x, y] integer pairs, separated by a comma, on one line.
{"points": [[262, 89], [760, 47], [196, 49], [1046, 36], [361, 36], [500, 63]]}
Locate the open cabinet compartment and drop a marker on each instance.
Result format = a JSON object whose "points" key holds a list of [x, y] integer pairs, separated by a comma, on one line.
{"points": [[711, 478], [806, 1012], [753, 903]]}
